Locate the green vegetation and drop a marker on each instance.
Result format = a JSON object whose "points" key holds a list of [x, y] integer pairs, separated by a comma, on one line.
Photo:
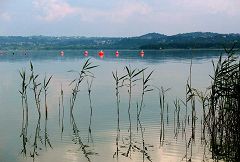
{"points": [[224, 109], [147, 41]]}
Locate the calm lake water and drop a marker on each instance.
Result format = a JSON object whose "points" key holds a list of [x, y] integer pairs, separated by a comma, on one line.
{"points": [[85, 137]]}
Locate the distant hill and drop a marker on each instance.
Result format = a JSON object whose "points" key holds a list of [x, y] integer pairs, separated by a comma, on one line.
{"points": [[195, 40], [152, 36], [146, 41], [197, 35]]}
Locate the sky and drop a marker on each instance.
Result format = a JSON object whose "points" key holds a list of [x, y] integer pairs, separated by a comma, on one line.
{"points": [[114, 18]]}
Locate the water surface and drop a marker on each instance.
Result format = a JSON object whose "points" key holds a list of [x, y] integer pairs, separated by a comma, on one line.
{"points": [[69, 133]]}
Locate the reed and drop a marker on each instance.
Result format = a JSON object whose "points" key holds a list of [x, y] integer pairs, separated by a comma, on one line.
{"points": [[189, 97], [144, 149], [130, 80], [89, 87], [23, 93], [33, 84], [177, 117], [224, 112], [59, 112], [46, 136], [78, 140], [46, 82], [45, 88], [37, 89], [204, 100], [145, 89], [162, 105], [84, 72], [118, 79], [63, 113], [24, 99], [37, 139]]}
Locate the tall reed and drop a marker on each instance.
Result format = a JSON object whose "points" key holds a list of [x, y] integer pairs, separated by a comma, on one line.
{"points": [[131, 78], [62, 106], [177, 117], [78, 140], [89, 87], [224, 111], [24, 99], [145, 88], [37, 89], [84, 72], [162, 105], [45, 87], [118, 79]]}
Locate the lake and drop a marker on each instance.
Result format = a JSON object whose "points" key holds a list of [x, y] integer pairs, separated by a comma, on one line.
{"points": [[90, 131]]}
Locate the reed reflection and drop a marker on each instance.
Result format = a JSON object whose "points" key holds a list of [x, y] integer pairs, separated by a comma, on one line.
{"points": [[85, 73], [162, 106], [89, 86], [118, 84], [87, 152], [35, 86], [131, 78], [61, 109], [24, 99]]}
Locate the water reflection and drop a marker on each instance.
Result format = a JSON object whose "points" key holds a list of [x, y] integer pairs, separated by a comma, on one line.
{"points": [[130, 144], [24, 132], [89, 87], [154, 124], [46, 136], [117, 53], [24, 99], [63, 113], [118, 79], [77, 140], [30, 81]]}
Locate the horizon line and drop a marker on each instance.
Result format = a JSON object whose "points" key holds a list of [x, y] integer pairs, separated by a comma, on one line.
{"points": [[115, 36]]}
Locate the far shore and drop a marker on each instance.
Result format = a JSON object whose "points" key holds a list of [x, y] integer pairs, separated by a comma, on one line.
{"points": [[167, 49]]}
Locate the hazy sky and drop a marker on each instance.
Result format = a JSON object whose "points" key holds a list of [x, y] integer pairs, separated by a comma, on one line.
{"points": [[117, 17]]}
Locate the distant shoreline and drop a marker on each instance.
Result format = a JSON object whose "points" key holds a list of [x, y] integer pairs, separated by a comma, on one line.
{"points": [[150, 41]]}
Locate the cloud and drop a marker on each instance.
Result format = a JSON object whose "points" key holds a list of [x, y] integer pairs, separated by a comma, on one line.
{"points": [[128, 9], [5, 16], [229, 7], [54, 10], [119, 13]]}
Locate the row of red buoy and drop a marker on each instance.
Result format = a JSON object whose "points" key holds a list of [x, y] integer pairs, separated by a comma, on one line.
{"points": [[101, 53]]}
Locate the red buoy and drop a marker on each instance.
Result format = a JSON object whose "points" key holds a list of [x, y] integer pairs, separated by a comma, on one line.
{"points": [[117, 53], [101, 54], [142, 53], [86, 53], [62, 53]]}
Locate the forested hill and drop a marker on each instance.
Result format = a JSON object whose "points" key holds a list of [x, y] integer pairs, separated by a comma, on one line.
{"points": [[147, 41]]}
